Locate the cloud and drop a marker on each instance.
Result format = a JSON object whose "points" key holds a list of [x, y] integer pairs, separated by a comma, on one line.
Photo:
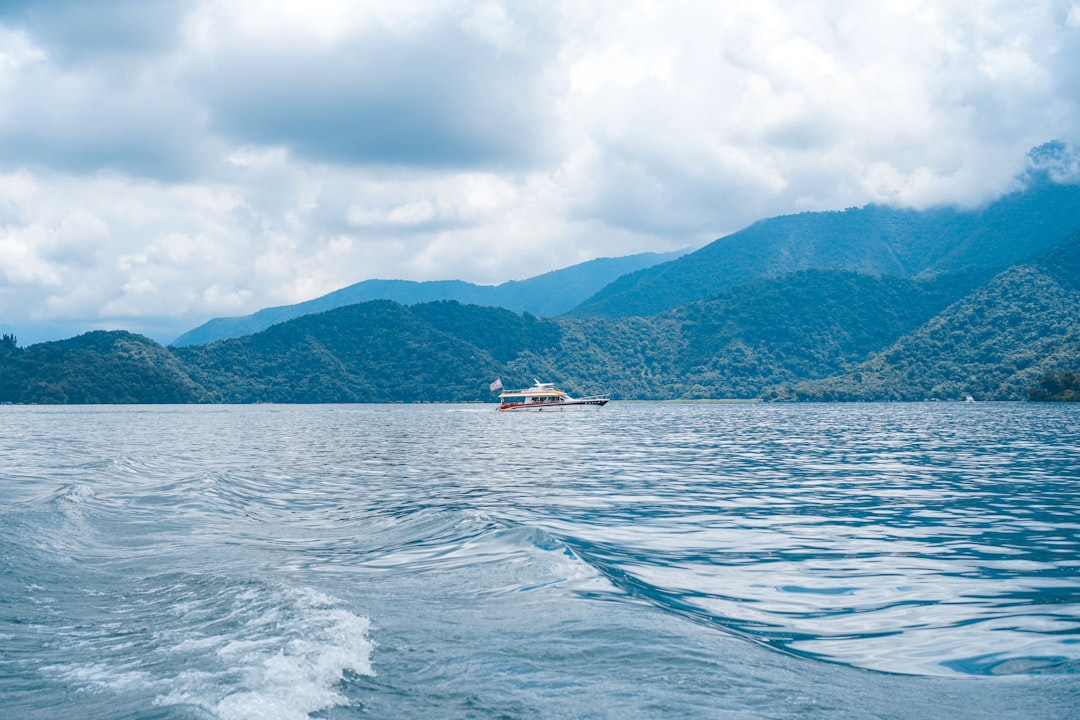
{"points": [[89, 86], [73, 31], [83, 122], [162, 162], [1056, 162], [448, 89], [440, 101], [806, 105]]}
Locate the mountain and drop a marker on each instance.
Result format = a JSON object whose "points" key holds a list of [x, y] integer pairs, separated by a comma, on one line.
{"points": [[994, 344], [810, 324], [1057, 388], [926, 305], [814, 324], [770, 332], [872, 240], [812, 335], [378, 351], [97, 367], [552, 293]]}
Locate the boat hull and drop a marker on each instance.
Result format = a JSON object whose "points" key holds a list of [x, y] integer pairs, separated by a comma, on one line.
{"points": [[568, 406]]}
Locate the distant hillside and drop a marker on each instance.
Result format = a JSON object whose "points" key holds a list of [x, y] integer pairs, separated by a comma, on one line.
{"points": [[809, 335], [98, 367], [815, 335], [771, 332], [995, 344], [811, 325], [906, 306], [872, 240], [546, 295], [1057, 388], [378, 351]]}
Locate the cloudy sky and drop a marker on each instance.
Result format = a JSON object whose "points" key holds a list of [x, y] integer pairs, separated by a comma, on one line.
{"points": [[163, 162]]}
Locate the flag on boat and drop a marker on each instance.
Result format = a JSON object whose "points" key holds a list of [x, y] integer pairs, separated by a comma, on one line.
{"points": [[497, 385]]}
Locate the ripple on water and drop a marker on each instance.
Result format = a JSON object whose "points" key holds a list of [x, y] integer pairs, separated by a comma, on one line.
{"points": [[925, 544], [923, 539]]}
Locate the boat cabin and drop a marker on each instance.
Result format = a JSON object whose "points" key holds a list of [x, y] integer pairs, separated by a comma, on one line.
{"points": [[509, 399]]}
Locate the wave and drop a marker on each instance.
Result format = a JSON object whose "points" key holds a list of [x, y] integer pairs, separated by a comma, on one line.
{"points": [[236, 650], [894, 618]]}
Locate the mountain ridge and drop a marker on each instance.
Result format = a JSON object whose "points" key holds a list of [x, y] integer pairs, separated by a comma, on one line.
{"points": [[953, 326], [550, 293], [994, 344], [871, 240]]}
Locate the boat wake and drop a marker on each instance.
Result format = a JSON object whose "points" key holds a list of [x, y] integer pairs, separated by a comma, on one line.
{"points": [[873, 623], [234, 650]]}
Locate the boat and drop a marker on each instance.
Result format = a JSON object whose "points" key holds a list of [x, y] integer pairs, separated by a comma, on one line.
{"points": [[546, 397]]}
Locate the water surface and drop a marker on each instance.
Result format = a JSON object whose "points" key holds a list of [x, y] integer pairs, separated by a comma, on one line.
{"points": [[645, 560]]}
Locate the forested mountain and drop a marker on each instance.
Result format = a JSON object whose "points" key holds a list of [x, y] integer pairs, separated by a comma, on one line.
{"points": [[1057, 388], [377, 351], [938, 325], [742, 344], [803, 337], [995, 344], [551, 293], [872, 240], [97, 367]]}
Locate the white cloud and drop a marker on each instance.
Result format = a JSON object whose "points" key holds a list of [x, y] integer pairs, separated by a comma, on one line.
{"points": [[247, 154], [1072, 18]]}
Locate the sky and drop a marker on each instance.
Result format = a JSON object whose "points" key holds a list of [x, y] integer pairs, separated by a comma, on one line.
{"points": [[163, 162]]}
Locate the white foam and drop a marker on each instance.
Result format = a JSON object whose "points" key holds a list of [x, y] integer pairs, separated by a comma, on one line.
{"points": [[300, 677], [284, 661], [99, 676]]}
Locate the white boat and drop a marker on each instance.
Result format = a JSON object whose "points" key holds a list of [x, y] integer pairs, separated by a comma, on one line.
{"points": [[545, 397]]}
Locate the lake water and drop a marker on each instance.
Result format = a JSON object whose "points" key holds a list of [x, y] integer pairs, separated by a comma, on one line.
{"points": [[653, 560]]}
